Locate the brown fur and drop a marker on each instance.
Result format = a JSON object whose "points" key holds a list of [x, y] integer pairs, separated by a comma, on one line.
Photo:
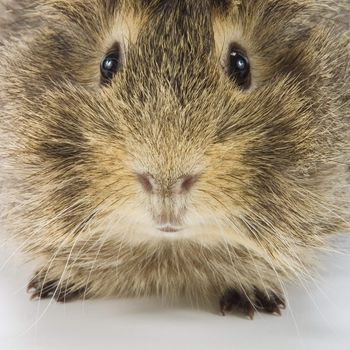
{"points": [[272, 161]]}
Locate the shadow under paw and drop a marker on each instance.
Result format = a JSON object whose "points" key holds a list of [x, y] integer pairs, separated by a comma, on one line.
{"points": [[41, 287], [248, 305]]}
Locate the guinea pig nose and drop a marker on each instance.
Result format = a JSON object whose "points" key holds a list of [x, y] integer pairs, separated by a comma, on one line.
{"points": [[146, 181], [185, 183]]}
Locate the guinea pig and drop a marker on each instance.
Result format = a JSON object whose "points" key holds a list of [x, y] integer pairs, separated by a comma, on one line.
{"points": [[174, 148]]}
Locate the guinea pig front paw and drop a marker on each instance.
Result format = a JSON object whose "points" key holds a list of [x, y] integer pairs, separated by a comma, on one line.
{"points": [[42, 287], [249, 304]]}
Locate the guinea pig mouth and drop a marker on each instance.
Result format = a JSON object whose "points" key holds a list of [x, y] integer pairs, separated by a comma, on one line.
{"points": [[169, 228]]}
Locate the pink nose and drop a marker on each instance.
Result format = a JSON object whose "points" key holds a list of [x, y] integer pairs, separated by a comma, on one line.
{"points": [[183, 185], [146, 181]]}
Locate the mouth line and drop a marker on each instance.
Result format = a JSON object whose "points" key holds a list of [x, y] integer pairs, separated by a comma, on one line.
{"points": [[169, 228]]}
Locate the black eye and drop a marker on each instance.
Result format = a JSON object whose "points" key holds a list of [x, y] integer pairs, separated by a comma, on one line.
{"points": [[110, 65], [239, 67]]}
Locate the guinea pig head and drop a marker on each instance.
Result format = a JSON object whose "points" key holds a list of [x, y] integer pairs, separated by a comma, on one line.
{"points": [[186, 120]]}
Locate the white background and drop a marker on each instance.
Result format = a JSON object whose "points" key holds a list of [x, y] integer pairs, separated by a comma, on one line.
{"points": [[318, 318]]}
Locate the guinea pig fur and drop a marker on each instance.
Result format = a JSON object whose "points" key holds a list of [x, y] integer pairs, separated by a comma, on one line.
{"points": [[177, 148]]}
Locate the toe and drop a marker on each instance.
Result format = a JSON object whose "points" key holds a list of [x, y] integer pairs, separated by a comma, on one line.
{"points": [[270, 304]]}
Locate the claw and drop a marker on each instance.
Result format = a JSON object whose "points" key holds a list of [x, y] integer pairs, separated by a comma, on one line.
{"points": [[271, 304], [251, 313], [52, 289]]}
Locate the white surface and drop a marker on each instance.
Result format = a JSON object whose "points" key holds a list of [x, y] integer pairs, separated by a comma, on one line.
{"points": [[317, 319]]}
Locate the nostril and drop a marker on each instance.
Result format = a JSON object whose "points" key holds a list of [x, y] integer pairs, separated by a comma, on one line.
{"points": [[146, 180], [187, 182]]}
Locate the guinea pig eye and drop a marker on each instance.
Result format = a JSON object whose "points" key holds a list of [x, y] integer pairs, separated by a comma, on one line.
{"points": [[239, 67], [110, 65]]}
